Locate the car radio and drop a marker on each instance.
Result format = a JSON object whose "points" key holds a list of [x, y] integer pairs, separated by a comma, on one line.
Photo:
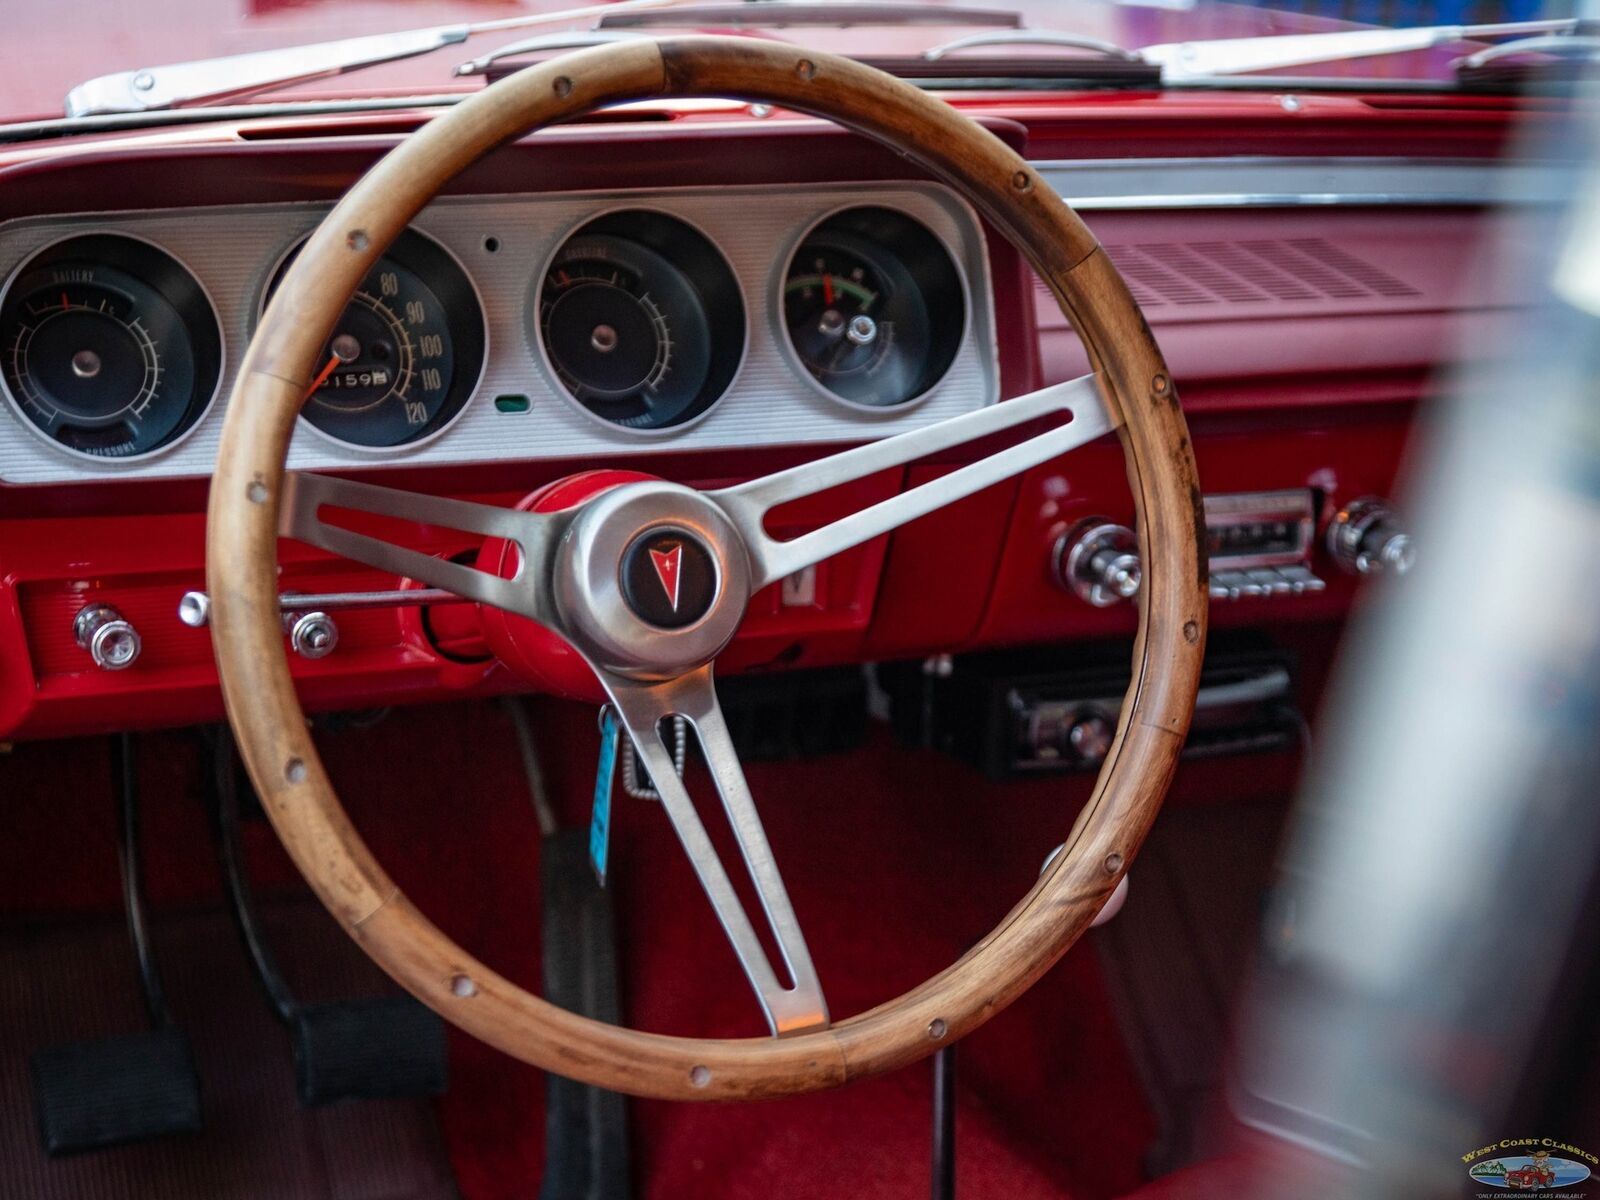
{"points": [[1259, 545]]}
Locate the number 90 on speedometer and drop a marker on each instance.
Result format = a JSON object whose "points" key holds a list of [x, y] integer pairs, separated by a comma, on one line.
{"points": [[406, 354]]}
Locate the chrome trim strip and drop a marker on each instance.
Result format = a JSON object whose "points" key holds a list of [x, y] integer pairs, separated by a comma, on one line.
{"points": [[1105, 185]]}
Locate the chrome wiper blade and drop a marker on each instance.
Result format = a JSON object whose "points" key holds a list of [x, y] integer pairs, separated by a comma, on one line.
{"points": [[1185, 61], [210, 80], [779, 14]]}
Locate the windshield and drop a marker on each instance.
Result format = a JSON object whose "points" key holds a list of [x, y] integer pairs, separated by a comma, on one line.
{"points": [[51, 47]]}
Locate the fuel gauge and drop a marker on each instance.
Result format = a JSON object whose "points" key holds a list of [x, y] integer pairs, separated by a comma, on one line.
{"points": [[108, 347]]}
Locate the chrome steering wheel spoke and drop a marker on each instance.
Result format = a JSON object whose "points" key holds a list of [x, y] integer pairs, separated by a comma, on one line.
{"points": [[789, 1008], [534, 534], [747, 504]]}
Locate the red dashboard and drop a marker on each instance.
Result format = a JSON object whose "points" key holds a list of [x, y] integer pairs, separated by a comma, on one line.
{"points": [[1303, 332]]}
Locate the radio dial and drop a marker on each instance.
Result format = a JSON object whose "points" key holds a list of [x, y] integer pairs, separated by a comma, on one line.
{"points": [[1099, 561], [1366, 538]]}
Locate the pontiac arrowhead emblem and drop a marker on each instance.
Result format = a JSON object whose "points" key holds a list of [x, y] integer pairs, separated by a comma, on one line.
{"points": [[667, 564]]}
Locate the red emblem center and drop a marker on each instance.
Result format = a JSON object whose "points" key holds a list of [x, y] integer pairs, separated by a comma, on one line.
{"points": [[667, 563]]}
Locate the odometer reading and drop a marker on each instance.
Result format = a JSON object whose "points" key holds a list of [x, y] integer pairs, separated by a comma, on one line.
{"points": [[406, 354], [108, 347]]}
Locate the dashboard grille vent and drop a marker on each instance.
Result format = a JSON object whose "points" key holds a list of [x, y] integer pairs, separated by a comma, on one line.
{"points": [[1250, 272]]}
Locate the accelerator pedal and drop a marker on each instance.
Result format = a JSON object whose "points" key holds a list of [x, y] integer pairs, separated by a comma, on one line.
{"points": [[586, 1127]]}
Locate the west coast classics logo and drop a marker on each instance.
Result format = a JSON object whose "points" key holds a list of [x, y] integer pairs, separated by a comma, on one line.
{"points": [[1531, 1165]]}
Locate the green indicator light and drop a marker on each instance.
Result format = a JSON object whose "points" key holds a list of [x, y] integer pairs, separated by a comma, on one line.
{"points": [[512, 404]]}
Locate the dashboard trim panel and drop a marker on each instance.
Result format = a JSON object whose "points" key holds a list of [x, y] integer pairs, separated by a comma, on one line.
{"points": [[1100, 184], [231, 251]]}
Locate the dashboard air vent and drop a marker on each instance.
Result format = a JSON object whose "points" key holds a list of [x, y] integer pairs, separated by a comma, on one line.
{"points": [[1250, 272]]}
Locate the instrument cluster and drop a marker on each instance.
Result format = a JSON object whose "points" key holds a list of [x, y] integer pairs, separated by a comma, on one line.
{"points": [[632, 321]]}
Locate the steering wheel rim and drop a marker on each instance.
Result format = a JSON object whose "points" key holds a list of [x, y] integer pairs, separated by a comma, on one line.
{"points": [[248, 491]]}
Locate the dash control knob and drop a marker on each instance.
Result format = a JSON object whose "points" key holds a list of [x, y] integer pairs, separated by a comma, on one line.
{"points": [[112, 642], [1366, 538], [1090, 738], [1099, 560]]}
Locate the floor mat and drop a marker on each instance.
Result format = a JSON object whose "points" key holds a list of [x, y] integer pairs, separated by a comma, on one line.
{"points": [[1174, 958], [64, 982]]}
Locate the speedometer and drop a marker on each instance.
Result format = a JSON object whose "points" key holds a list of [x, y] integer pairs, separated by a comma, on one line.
{"points": [[108, 347], [406, 355]]}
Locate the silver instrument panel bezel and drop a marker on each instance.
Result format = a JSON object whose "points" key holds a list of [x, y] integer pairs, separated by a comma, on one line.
{"points": [[231, 250]]}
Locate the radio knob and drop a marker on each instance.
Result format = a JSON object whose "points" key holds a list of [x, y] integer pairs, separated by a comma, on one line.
{"points": [[1099, 561], [112, 642], [1090, 738], [1366, 538]]}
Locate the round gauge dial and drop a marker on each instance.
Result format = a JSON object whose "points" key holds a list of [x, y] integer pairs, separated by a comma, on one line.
{"points": [[407, 352], [108, 346], [640, 320], [873, 307]]}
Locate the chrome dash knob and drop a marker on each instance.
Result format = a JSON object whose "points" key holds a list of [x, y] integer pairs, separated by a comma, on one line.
{"points": [[313, 634], [112, 642], [1366, 538], [1099, 560]]}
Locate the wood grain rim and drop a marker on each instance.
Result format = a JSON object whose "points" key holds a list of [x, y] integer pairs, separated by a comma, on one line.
{"points": [[270, 726]]}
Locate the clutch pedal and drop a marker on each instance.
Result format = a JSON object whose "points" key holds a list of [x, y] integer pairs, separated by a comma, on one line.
{"points": [[93, 1094], [369, 1048]]}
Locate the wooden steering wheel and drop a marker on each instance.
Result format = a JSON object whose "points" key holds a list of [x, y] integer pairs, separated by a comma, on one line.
{"points": [[570, 569]]}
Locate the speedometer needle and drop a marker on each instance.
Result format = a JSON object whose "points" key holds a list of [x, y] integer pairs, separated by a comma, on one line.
{"points": [[322, 377]]}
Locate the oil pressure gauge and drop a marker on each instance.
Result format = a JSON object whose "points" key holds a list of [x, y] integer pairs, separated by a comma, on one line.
{"points": [[108, 347]]}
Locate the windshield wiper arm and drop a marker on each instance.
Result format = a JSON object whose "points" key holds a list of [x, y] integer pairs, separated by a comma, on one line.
{"points": [[209, 80], [1184, 61]]}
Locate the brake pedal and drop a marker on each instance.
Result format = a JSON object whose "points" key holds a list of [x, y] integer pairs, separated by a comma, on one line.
{"points": [[93, 1094], [371, 1048]]}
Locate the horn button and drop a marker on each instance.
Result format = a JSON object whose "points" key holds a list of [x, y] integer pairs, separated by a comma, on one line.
{"points": [[669, 578], [650, 581]]}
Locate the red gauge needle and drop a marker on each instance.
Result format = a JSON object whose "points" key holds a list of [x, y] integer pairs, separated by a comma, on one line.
{"points": [[322, 378], [827, 289]]}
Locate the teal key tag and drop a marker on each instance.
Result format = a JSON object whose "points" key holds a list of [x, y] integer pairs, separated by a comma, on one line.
{"points": [[600, 822]]}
